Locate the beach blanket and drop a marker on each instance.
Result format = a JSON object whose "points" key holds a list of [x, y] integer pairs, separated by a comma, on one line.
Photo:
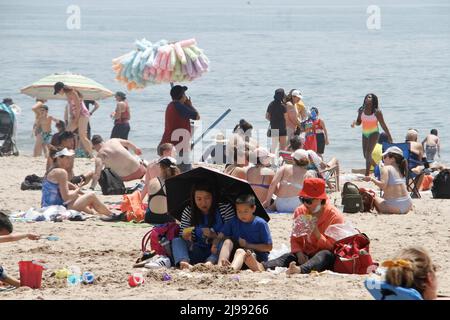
{"points": [[51, 213]]}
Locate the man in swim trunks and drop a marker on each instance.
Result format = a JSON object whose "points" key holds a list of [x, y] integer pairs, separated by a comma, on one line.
{"points": [[114, 155], [432, 145]]}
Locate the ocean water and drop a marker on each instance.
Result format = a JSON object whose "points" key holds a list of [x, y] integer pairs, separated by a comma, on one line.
{"points": [[320, 47]]}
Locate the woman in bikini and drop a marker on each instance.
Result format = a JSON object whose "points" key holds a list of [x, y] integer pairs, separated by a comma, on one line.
{"points": [[260, 176], [240, 162], [288, 182], [369, 115], [55, 188], [396, 198], [157, 197], [79, 114]]}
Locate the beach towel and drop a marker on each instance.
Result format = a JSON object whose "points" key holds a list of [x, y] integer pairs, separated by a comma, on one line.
{"points": [[51, 213]]}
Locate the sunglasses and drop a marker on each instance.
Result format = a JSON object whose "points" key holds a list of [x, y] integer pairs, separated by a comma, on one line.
{"points": [[306, 200]]}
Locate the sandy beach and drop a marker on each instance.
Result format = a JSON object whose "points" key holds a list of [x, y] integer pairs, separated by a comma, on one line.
{"points": [[110, 249]]}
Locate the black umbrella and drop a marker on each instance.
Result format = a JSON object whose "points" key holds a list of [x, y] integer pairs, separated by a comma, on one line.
{"points": [[228, 188]]}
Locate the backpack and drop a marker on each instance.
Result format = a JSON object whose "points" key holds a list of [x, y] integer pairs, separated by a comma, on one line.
{"points": [[351, 198], [160, 238], [111, 183], [441, 185], [368, 199], [132, 207], [352, 255]]}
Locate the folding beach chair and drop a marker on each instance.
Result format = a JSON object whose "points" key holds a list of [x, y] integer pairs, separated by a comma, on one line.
{"points": [[330, 175], [380, 290], [285, 157], [412, 179], [331, 178]]}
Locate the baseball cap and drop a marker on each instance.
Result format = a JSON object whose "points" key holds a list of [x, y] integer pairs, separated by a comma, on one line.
{"points": [[263, 153], [57, 87], [296, 93], [121, 95], [177, 92], [64, 152], [168, 161], [394, 150], [300, 154]]}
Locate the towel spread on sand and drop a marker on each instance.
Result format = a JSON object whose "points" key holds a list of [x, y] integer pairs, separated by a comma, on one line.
{"points": [[50, 213]]}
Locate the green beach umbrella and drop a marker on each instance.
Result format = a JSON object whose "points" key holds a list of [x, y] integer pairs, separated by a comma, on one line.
{"points": [[90, 89]]}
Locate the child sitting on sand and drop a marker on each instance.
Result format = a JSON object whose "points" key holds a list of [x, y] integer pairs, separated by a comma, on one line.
{"points": [[6, 229], [247, 235]]}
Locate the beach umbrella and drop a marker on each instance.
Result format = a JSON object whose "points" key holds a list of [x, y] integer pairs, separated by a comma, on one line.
{"points": [[90, 89], [178, 189], [160, 62]]}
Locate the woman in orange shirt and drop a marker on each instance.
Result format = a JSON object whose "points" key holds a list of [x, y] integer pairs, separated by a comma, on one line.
{"points": [[310, 247]]}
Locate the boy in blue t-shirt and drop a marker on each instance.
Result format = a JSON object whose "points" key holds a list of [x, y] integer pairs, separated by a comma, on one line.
{"points": [[246, 235]]}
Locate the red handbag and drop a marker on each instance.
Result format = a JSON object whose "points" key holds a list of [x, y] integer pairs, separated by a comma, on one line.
{"points": [[352, 255]]}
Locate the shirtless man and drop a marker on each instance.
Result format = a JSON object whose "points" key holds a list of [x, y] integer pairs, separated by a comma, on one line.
{"points": [[432, 145], [416, 149], [42, 127], [114, 155]]}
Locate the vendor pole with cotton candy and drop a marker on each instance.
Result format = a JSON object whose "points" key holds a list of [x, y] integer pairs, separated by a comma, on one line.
{"points": [[160, 62], [167, 62]]}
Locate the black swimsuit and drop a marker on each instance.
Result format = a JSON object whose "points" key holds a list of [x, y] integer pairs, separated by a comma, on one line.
{"points": [[157, 218]]}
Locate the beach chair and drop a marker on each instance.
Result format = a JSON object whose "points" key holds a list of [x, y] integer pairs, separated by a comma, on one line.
{"points": [[285, 157], [412, 179], [380, 290], [330, 175]]}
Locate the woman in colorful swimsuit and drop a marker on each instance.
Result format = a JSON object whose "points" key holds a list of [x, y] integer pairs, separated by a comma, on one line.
{"points": [[369, 115], [79, 114]]}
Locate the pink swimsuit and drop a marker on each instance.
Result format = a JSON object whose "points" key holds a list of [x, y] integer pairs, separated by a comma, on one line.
{"points": [[84, 112]]}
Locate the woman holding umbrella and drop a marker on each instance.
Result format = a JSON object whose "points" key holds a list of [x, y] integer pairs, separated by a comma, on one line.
{"points": [[79, 114], [201, 221]]}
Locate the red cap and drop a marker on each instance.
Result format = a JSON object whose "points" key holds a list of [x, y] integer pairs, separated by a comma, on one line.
{"points": [[313, 188]]}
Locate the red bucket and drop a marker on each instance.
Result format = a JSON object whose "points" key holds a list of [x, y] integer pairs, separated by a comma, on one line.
{"points": [[30, 274]]}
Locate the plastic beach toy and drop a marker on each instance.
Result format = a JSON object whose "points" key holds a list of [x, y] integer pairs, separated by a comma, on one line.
{"points": [[88, 277], [166, 277], [136, 279], [52, 238], [62, 273], [73, 280], [30, 274]]}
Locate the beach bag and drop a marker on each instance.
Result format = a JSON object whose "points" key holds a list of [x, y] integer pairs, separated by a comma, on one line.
{"points": [[111, 183], [132, 207], [352, 255], [427, 183], [368, 199], [441, 185], [351, 198], [160, 239]]}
